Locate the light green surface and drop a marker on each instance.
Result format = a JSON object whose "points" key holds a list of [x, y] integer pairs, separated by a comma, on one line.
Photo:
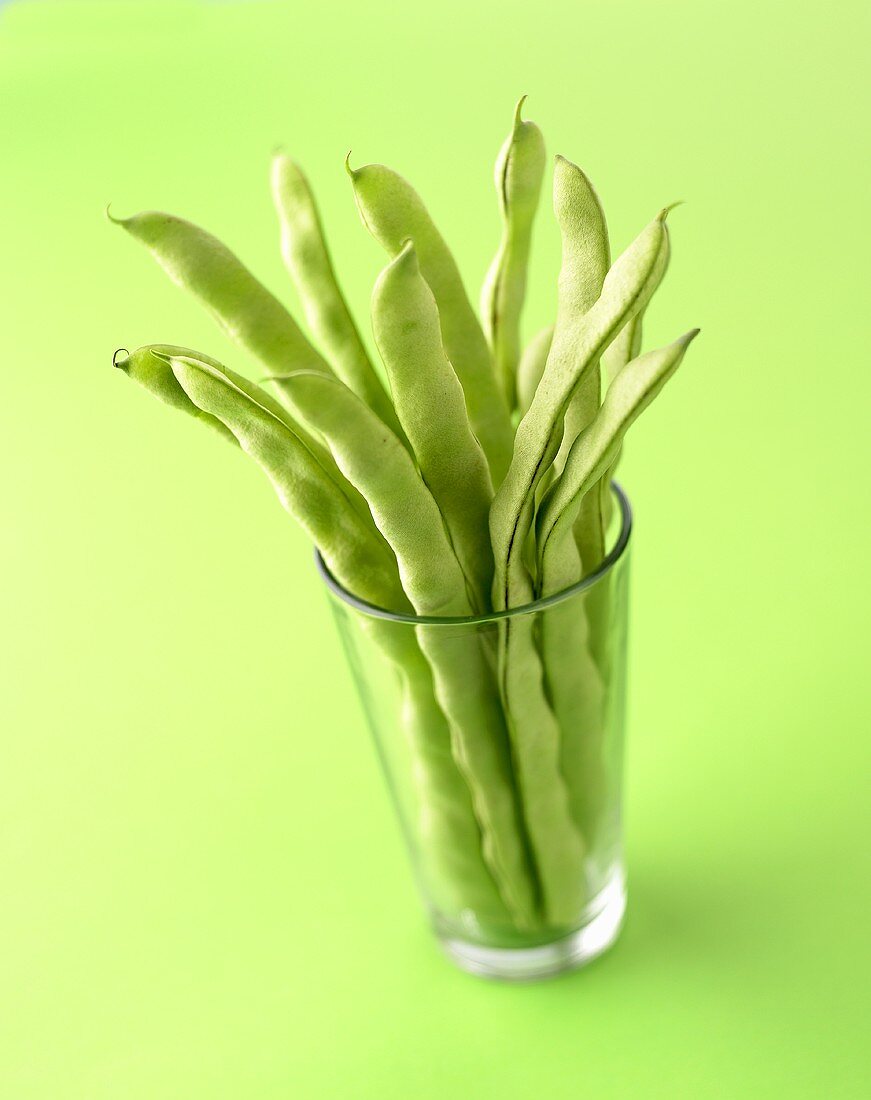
{"points": [[204, 894]]}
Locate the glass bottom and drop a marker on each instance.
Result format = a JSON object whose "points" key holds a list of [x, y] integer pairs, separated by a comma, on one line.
{"points": [[527, 964]]}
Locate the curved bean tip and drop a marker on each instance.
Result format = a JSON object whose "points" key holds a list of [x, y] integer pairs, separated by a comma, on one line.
{"points": [[120, 351], [284, 166], [111, 217], [666, 210], [351, 172], [518, 109]]}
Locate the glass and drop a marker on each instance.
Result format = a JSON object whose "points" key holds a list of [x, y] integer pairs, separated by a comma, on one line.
{"points": [[501, 738]]}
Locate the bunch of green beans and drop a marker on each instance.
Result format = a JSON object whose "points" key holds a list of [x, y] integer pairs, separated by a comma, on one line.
{"points": [[459, 474]]}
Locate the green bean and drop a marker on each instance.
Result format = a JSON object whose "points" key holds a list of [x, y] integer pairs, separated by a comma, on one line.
{"points": [[377, 464], [241, 305], [149, 366], [586, 259], [585, 263], [307, 258], [586, 253], [360, 560], [450, 841], [393, 213], [577, 345], [351, 546], [518, 176], [405, 321], [535, 734], [154, 374], [630, 393], [545, 756], [574, 686], [576, 691], [531, 368], [469, 696], [575, 642], [556, 845]]}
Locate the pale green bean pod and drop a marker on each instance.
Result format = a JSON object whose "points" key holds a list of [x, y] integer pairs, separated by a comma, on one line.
{"points": [[306, 486], [252, 316], [379, 467], [518, 177], [556, 844], [405, 322], [593, 451], [585, 263], [573, 644], [573, 684], [149, 366], [359, 558], [305, 253], [451, 841], [377, 464], [577, 345], [394, 213]]}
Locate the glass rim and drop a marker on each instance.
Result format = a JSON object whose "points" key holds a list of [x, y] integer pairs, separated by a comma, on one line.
{"points": [[608, 562]]}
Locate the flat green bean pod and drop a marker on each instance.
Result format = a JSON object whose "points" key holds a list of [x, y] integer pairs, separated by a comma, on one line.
{"points": [[149, 366], [586, 259], [586, 254], [394, 213], [574, 645], [556, 844], [585, 262], [451, 841], [241, 305], [377, 464], [307, 258], [351, 546], [575, 690], [577, 345], [452, 845], [152, 371], [573, 684], [405, 322], [593, 451], [518, 177]]}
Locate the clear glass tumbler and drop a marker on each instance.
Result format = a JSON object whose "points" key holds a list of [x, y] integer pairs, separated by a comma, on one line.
{"points": [[501, 738]]}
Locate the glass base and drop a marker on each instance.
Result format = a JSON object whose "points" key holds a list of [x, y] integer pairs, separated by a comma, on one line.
{"points": [[526, 964]]}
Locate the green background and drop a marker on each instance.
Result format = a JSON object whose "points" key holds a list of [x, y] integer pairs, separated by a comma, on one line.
{"points": [[204, 894]]}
